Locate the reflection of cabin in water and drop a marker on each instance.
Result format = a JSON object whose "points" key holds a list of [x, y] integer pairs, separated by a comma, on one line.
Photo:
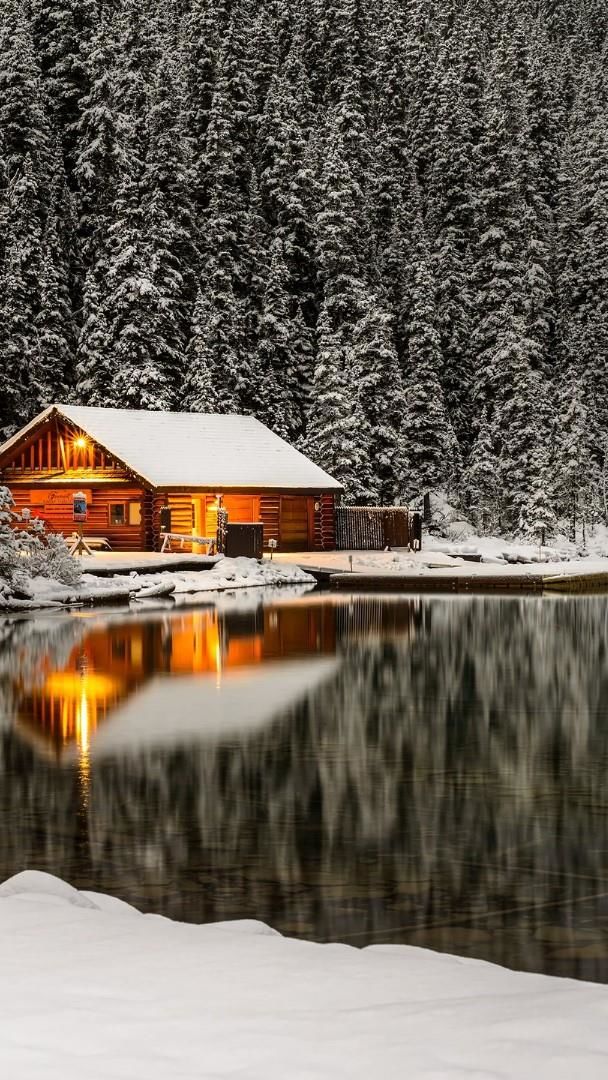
{"points": [[130, 464], [112, 663]]}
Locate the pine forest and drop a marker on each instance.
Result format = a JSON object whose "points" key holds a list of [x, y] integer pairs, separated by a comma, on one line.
{"points": [[380, 228]]}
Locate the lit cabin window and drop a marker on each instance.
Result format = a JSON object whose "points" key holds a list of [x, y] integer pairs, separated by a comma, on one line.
{"points": [[118, 514], [134, 513]]}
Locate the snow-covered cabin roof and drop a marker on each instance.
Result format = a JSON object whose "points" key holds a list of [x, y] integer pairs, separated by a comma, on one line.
{"points": [[210, 451]]}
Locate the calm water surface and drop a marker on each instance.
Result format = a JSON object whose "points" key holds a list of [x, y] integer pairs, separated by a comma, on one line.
{"points": [[431, 771]]}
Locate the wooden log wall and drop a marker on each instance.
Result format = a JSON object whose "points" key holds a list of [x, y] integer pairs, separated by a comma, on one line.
{"points": [[181, 517], [276, 512], [372, 528], [55, 509], [325, 523]]}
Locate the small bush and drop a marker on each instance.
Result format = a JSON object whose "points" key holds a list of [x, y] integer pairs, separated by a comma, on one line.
{"points": [[27, 551]]}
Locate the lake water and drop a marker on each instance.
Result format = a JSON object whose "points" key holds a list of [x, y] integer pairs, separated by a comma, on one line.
{"points": [[431, 771]]}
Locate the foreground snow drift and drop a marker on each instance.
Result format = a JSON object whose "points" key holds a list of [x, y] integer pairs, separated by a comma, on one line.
{"points": [[91, 989]]}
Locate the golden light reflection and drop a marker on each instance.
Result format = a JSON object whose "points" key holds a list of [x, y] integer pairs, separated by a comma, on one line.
{"points": [[61, 710], [82, 738], [80, 443]]}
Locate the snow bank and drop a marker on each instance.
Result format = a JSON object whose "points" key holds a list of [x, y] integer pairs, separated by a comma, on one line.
{"points": [[104, 993], [119, 588]]}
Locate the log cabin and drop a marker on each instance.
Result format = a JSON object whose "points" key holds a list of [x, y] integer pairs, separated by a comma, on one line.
{"points": [[136, 469]]}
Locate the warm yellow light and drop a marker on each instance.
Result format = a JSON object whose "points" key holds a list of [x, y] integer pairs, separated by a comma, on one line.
{"points": [[70, 685], [80, 442]]}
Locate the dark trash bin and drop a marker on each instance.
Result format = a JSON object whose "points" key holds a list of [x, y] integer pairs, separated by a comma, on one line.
{"points": [[244, 540]]}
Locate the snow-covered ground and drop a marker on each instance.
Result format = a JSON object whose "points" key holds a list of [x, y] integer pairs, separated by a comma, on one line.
{"points": [[92, 990], [441, 558]]}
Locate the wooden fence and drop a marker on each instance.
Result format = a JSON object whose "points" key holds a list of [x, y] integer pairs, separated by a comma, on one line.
{"points": [[374, 528]]}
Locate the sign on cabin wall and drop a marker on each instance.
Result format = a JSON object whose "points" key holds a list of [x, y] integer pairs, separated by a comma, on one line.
{"points": [[63, 499]]}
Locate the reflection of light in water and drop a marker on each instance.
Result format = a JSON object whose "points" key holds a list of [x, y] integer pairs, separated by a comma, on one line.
{"points": [[82, 733], [218, 663], [82, 738]]}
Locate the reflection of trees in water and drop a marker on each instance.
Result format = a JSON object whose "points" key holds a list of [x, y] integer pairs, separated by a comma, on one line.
{"points": [[26, 645], [462, 769]]}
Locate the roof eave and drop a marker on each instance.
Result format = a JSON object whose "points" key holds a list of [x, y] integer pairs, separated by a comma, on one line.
{"points": [[250, 489]]}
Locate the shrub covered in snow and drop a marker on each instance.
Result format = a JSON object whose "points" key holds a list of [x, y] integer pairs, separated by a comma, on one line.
{"points": [[27, 551]]}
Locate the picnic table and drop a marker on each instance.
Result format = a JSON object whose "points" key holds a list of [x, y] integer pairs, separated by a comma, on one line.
{"points": [[80, 545], [188, 538]]}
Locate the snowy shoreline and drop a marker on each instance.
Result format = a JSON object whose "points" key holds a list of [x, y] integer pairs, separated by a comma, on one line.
{"points": [[90, 987], [440, 561], [92, 589]]}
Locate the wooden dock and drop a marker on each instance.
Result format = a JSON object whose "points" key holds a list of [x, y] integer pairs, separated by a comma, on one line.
{"points": [[505, 584]]}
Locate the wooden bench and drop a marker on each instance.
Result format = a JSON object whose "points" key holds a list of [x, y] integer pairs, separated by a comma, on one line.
{"points": [[187, 538]]}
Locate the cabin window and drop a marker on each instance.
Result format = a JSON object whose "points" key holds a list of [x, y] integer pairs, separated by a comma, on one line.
{"points": [[118, 513]]}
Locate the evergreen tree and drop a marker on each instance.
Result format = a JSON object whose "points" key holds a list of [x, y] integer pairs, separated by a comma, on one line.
{"points": [[143, 303], [61, 30], [95, 364], [278, 391], [380, 398], [576, 469], [24, 119], [482, 483], [338, 436], [431, 457], [22, 390], [537, 519]]}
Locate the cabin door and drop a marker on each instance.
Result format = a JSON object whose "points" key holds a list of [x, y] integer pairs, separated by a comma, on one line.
{"points": [[296, 526]]}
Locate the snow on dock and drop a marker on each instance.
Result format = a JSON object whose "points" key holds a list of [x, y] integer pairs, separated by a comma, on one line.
{"points": [[108, 563], [435, 571]]}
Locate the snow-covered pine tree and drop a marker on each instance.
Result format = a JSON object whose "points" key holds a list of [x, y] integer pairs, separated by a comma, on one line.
{"points": [[23, 380], [53, 321], [498, 271], [337, 436], [95, 367], [278, 393], [61, 31], [212, 371], [100, 151], [522, 422], [585, 268], [380, 398], [537, 518], [482, 479], [24, 119], [577, 476], [336, 407], [204, 359], [143, 306], [426, 432], [168, 170], [287, 181]]}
